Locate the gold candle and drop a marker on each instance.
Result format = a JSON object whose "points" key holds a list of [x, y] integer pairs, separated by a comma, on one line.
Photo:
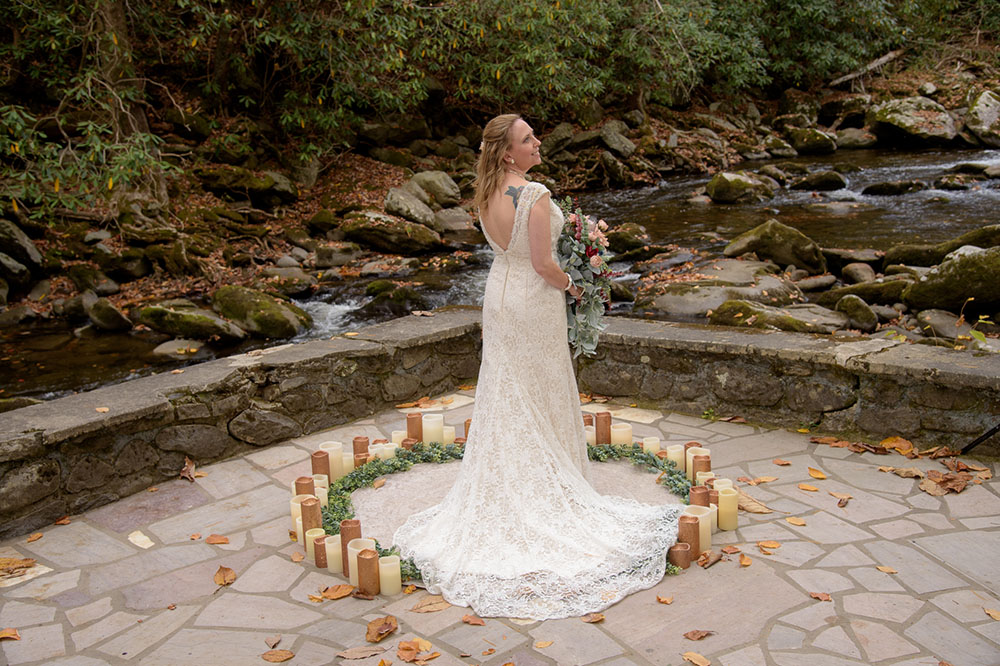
{"points": [[296, 507], [415, 426], [602, 426], [698, 496], [689, 454], [349, 530], [319, 551], [687, 532], [355, 546], [408, 443], [320, 462], [368, 582], [680, 555], [702, 463], [304, 486], [361, 445], [468, 425], [588, 419], [704, 516], [312, 517]]}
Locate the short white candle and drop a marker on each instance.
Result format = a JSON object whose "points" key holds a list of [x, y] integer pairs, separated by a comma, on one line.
{"points": [[334, 557], [591, 433], [704, 515], [312, 534], [398, 436], [691, 453], [702, 477], [675, 454], [300, 538], [336, 452], [448, 433], [322, 484], [651, 445], [354, 547], [720, 484], [375, 450], [621, 434], [714, 508], [433, 425], [390, 450], [348, 462], [390, 578], [296, 506], [728, 503]]}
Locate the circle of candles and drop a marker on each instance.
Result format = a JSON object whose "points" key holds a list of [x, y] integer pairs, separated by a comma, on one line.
{"points": [[448, 434], [688, 532], [689, 454], [389, 577], [621, 434], [335, 451], [368, 582], [680, 554], [702, 463], [311, 515], [651, 445], [591, 434], [398, 436], [311, 536], [415, 426], [722, 484], [304, 486], [320, 462], [296, 507], [433, 427], [698, 496], [675, 454], [319, 551], [334, 560], [350, 529], [728, 505], [704, 516], [355, 546], [588, 419], [360, 445], [468, 425], [408, 443], [602, 427]]}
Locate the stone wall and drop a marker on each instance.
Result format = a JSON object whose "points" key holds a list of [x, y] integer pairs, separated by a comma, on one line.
{"points": [[64, 456]]}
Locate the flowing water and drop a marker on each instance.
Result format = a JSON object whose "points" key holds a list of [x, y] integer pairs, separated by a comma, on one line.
{"points": [[48, 360]]}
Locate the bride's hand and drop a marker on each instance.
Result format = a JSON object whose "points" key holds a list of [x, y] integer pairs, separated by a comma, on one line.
{"points": [[575, 291]]}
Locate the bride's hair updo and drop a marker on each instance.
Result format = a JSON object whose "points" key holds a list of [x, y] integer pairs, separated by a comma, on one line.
{"points": [[490, 168]]}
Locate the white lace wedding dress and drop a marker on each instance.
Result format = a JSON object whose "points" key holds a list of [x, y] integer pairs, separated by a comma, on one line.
{"points": [[522, 533]]}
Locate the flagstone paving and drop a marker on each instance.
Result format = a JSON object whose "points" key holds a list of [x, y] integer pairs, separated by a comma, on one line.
{"points": [[127, 584]]}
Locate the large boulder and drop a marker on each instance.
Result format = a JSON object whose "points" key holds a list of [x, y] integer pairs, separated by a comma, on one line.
{"points": [[259, 313], [726, 187], [616, 142], [821, 181], [105, 316], [853, 138], [439, 186], [912, 119], [800, 317], [331, 255], [389, 234], [267, 190], [453, 220], [16, 244], [861, 315], [811, 141], [288, 280], [781, 244], [183, 319], [617, 173], [894, 188], [14, 272], [983, 118], [557, 139], [87, 277], [407, 206], [923, 254], [949, 285], [627, 236]]}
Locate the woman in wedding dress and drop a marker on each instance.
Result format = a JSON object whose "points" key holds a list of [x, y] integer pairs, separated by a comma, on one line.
{"points": [[522, 533]]}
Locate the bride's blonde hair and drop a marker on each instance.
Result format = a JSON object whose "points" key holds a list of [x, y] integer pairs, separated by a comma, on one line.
{"points": [[490, 168]]}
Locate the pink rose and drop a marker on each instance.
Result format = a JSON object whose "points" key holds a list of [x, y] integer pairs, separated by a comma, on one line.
{"points": [[595, 261], [602, 225]]}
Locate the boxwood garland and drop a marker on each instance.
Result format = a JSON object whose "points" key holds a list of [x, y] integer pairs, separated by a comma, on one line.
{"points": [[340, 506]]}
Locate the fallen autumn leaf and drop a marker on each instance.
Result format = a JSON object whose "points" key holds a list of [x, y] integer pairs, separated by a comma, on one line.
{"points": [[665, 600], [277, 656], [697, 634], [822, 596], [224, 576], [432, 603], [473, 620], [795, 520], [696, 659], [380, 627]]}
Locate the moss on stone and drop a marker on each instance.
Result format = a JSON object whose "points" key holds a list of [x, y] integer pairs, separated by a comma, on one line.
{"points": [[259, 313]]}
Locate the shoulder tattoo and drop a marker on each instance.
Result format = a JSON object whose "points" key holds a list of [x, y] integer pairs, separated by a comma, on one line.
{"points": [[514, 193]]}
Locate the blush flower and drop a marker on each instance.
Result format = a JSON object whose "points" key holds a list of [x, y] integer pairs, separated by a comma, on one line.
{"points": [[595, 261]]}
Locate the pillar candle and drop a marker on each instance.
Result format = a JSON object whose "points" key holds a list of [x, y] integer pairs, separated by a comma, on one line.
{"points": [[687, 532], [433, 428], [713, 496], [591, 433], [728, 502], [347, 462], [702, 462], [722, 484], [680, 555], [448, 433], [690, 453], [336, 452], [304, 486], [375, 450], [322, 483], [398, 436], [360, 459], [349, 530], [390, 450], [675, 454], [296, 507], [368, 572], [312, 517], [311, 535], [651, 445], [408, 443], [381, 440], [602, 426], [360, 445], [588, 419], [621, 434], [704, 516], [714, 517], [300, 538], [319, 551], [468, 425], [389, 577], [703, 478], [320, 462], [698, 496], [334, 560], [414, 426], [460, 441], [355, 546]]}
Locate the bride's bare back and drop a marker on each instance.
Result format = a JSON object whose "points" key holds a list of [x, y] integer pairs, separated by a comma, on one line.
{"points": [[498, 219]]}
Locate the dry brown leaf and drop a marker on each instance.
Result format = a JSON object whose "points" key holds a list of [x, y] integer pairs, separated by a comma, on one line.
{"points": [[932, 488], [360, 652], [102, 410], [985, 475], [358, 594], [378, 483], [152, 489], [808, 488], [908, 472], [696, 659], [15, 565], [815, 473], [730, 550], [764, 479], [10, 633], [888, 570], [430, 604], [902, 446], [708, 558], [34, 537], [744, 560], [62, 521], [351, 334], [224, 576], [768, 544], [665, 600], [592, 618], [187, 472], [174, 607], [781, 463], [297, 557], [822, 596], [697, 634], [473, 620], [272, 641], [751, 505], [200, 475], [195, 536], [466, 387], [217, 539], [992, 612], [277, 656], [409, 589], [488, 651], [423, 659], [315, 599], [795, 520], [542, 644], [335, 592], [381, 627], [764, 551]]}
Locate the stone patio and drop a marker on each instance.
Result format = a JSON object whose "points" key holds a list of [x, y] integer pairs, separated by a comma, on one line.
{"points": [[125, 583]]}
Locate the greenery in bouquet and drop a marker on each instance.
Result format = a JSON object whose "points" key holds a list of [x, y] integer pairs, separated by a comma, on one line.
{"points": [[583, 253]]}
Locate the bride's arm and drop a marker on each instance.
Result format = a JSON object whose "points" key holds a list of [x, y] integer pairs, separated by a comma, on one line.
{"points": [[540, 242]]}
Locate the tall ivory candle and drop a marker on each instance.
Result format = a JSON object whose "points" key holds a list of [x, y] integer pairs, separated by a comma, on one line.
{"points": [[675, 454], [334, 563], [448, 434], [389, 577], [336, 452], [591, 435], [348, 462], [704, 516], [728, 502], [296, 507], [354, 547], [651, 445], [322, 483], [311, 535], [398, 436], [621, 434], [689, 463], [433, 427]]}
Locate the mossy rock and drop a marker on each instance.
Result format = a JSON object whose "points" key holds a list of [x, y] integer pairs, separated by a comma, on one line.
{"points": [[916, 120], [781, 244], [821, 181], [740, 186], [184, 319], [894, 188], [949, 285], [397, 302], [861, 315], [322, 222], [811, 141], [105, 316], [880, 292], [289, 281], [260, 314], [267, 190], [798, 318], [390, 235], [983, 118], [921, 254], [376, 287], [627, 236]]}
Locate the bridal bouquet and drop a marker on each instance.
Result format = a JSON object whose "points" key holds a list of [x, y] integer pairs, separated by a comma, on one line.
{"points": [[583, 253]]}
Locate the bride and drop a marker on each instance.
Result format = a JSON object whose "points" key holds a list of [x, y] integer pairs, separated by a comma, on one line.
{"points": [[522, 533]]}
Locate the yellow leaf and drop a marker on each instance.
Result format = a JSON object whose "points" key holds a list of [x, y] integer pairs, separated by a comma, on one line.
{"points": [[744, 560], [888, 570], [592, 618], [10, 633], [815, 473], [217, 539], [111, 182], [34, 537], [335, 592], [992, 612], [795, 520], [498, 74], [350, 334], [768, 544], [665, 600], [224, 576], [807, 487], [114, 38], [277, 656], [696, 659], [316, 600], [298, 557], [430, 604], [902, 446], [542, 644], [802, 430], [409, 589], [55, 186], [102, 410], [194, 42]]}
